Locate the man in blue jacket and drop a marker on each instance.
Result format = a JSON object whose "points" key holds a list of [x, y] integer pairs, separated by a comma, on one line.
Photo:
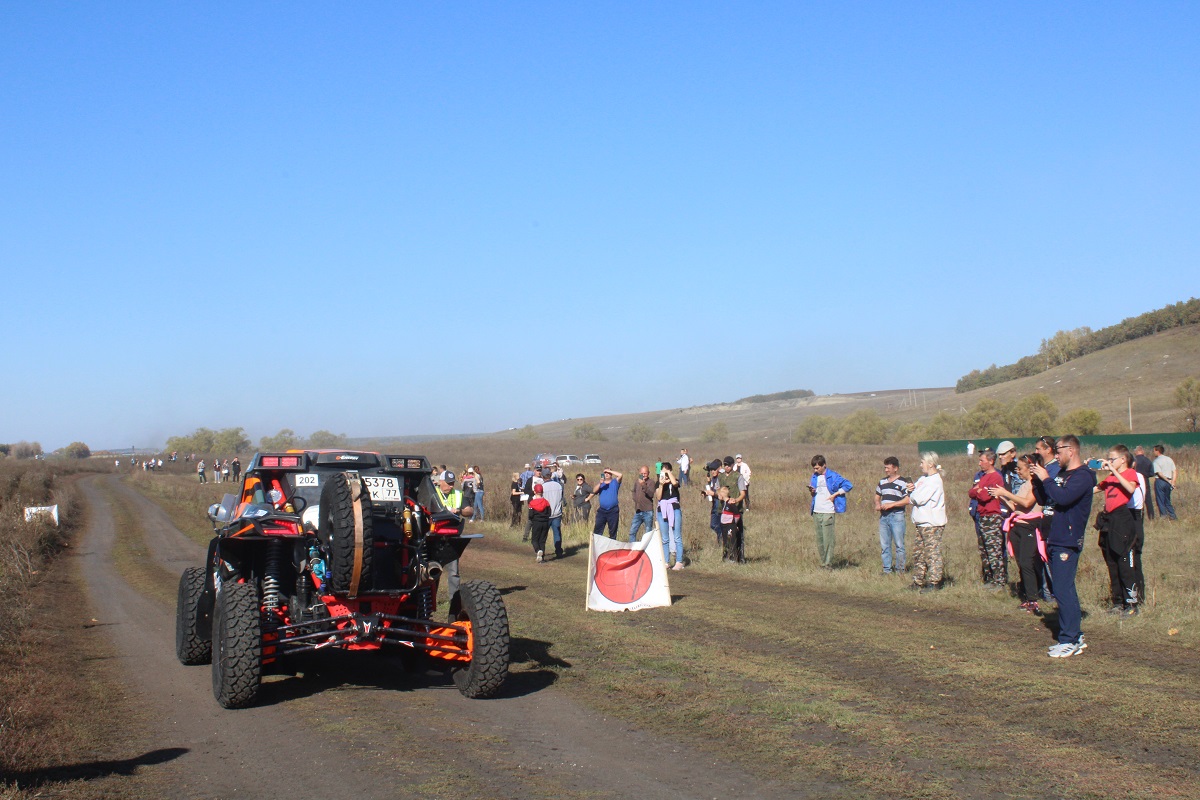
{"points": [[1069, 494], [828, 491]]}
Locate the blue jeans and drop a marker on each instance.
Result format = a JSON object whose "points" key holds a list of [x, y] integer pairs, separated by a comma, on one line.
{"points": [[609, 517], [891, 531], [556, 529], [1063, 563], [683, 479], [479, 506], [1162, 495], [640, 518], [672, 537]]}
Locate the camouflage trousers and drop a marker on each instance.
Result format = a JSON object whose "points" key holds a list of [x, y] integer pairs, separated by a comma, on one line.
{"points": [[992, 557], [927, 555]]}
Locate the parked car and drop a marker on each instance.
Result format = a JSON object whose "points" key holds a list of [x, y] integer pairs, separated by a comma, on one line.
{"points": [[592, 458], [568, 460], [543, 461]]}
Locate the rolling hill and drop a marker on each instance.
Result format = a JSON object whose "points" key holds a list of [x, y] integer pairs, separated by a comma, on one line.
{"points": [[1144, 371]]}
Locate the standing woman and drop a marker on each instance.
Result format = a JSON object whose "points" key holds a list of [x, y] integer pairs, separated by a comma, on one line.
{"points": [[478, 493], [516, 500], [928, 498], [1119, 535], [670, 520], [1024, 529]]}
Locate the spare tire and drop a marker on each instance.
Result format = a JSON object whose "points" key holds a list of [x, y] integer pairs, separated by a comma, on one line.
{"points": [[346, 532]]}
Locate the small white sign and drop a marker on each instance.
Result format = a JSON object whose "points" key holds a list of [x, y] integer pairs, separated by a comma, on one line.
{"points": [[307, 480], [37, 511], [383, 488]]}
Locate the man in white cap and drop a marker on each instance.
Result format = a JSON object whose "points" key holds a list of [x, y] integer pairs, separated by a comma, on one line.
{"points": [[744, 469], [1006, 462]]}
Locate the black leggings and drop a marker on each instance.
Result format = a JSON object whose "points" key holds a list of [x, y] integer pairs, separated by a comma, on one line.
{"points": [[1122, 554], [1029, 561]]}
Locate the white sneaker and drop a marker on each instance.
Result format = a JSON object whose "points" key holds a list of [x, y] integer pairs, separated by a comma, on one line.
{"points": [[1064, 650], [539, 556]]}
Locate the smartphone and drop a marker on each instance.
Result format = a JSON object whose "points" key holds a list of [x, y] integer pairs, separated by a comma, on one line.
{"points": [[1096, 463]]}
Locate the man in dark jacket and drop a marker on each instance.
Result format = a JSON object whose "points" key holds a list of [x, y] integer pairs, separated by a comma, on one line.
{"points": [[1145, 468], [1069, 494]]}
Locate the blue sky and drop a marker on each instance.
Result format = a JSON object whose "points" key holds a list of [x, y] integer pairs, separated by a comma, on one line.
{"points": [[403, 218]]}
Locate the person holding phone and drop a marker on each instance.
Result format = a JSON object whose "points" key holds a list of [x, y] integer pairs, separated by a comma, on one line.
{"points": [[1118, 532]]}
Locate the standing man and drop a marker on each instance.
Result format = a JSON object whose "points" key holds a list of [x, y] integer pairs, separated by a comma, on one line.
{"points": [[891, 498], [643, 502], [733, 529], [1070, 492], [461, 502], [1164, 471], [1145, 468], [552, 490], [609, 511], [685, 467], [744, 469], [993, 560], [200, 471], [970, 448], [828, 490], [236, 466]]}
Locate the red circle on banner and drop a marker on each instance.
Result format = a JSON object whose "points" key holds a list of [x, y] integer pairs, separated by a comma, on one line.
{"points": [[624, 576]]}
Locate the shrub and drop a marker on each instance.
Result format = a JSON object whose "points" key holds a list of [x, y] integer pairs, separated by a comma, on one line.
{"points": [[26, 449], [640, 433], [1032, 416], [817, 429], [1081, 422], [527, 434], [665, 437], [325, 440], [864, 427], [589, 432], [77, 450], [717, 432]]}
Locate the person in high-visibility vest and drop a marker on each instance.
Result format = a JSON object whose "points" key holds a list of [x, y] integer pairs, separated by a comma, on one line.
{"points": [[461, 503]]}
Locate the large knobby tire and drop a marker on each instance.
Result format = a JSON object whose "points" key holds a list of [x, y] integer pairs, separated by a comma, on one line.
{"points": [[237, 645], [336, 531], [191, 647], [480, 602]]}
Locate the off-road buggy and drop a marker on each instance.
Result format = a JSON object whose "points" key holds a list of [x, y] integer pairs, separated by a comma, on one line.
{"points": [[336, 549]]}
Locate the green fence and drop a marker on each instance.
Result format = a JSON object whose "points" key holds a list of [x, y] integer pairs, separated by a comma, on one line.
{"points": [[1088, 444]]}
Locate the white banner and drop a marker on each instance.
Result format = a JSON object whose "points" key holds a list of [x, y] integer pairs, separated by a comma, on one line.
{"points": [[627, 576]]}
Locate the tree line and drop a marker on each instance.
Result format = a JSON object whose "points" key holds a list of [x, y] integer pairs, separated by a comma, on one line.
{"points": [[1066, 345], [235, 440]]}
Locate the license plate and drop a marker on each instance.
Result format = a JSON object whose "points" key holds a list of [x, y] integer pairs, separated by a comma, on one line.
{"points": [[383, 488]]}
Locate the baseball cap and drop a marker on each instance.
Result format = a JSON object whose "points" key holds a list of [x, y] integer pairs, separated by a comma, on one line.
{"points": [[1004, 447], [714, 464], [739, 455], [471, 471], [537, 488], [448, 476], [729, 461], [526, 466]]}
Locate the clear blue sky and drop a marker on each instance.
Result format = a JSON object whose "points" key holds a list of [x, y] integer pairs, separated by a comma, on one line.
{"points": [[402, 218]]}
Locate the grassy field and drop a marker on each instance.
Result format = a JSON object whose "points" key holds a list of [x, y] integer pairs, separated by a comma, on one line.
{"points": [[843, 681]]}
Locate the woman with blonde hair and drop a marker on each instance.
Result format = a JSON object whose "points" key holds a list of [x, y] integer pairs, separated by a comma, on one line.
{"points": [[928, 498]]}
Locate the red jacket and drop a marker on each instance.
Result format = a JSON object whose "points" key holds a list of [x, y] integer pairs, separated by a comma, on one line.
{"points": [[539, 508], [987, 503]]}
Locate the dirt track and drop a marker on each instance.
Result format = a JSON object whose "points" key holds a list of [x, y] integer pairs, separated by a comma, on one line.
{"points": [[357, 727]]}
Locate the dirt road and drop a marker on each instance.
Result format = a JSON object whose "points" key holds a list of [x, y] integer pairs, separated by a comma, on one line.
{"points": [[355, 726]]}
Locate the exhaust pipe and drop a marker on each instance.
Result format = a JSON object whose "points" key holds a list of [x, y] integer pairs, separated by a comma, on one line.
{"points": [[433, 571]]}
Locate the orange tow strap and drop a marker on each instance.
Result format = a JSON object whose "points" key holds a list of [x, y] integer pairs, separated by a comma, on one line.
{"points": [[356, 490]]}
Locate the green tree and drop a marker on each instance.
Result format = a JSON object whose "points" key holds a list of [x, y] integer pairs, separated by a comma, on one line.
{"points": [[326, 440], [527, 434], [77, 450], [640, 433], [717, 432], [230, 440], [864, 427], [589, 432], [1187, 397], [1032, 416], [909, 433], [987, 420], [943, 426], [817, 429], [286, 439], [1081, 422]]}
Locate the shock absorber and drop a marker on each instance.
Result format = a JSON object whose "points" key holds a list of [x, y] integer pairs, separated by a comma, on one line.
{"points": [[273, 575]]}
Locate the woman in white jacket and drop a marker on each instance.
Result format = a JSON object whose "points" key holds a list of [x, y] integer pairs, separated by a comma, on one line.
{"points": [[928, 498]]}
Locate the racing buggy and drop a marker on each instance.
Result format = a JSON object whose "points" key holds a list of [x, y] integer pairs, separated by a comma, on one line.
{"points": [[335, 549]]}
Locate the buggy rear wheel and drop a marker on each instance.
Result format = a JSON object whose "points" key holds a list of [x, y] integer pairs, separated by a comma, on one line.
{"points": [[192, 646], [237, 645], [480, 603], [347, 533]]}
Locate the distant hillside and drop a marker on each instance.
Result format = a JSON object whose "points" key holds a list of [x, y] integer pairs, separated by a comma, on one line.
{"points": [[1145, 370], [1066, 345]]}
